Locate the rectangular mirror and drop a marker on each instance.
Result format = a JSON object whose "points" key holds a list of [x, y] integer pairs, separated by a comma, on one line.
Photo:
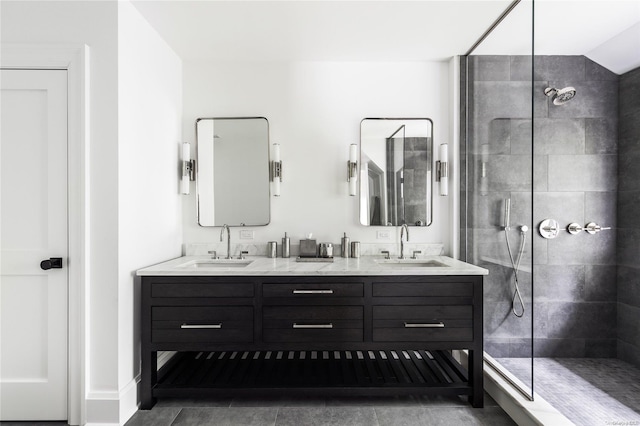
{"points": [[232, 183], [395, 171]]}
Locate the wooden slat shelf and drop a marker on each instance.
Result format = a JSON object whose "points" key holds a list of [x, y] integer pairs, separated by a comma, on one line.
{"points": [[414, 370]]}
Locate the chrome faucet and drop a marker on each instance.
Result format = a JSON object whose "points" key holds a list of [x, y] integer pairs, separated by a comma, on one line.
{"points": [[225, 226], [403, 228]]}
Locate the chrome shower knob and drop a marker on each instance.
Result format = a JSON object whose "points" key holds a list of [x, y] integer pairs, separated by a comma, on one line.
{"points": [[593, 228], [574, 228], [549, 228]]}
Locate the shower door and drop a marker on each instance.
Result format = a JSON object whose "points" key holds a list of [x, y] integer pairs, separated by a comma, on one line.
{"points": [[497, 193]]}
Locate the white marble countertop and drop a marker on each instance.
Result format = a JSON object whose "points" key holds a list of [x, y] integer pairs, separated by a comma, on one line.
{"points": [[261, 265]]}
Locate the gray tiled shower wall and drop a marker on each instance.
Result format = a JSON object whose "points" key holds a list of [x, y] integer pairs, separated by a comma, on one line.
{"points": [[575, 178], [629, 218]]}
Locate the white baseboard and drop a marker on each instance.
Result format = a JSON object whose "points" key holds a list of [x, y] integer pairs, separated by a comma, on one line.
{"points": [[102, 408], [113, 408], [129, 400], [101, 424]]}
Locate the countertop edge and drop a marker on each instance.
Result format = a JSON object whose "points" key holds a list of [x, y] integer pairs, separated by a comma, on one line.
{"points": [[262, 266]]}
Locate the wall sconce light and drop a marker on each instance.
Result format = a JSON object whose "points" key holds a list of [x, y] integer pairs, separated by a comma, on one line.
{"points": [[276, 169], [442, 169], [188, 169], [352, 169]]}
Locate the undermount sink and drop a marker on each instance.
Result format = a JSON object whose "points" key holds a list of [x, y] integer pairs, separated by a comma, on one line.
{"points": [[411, 263], [216, 264]]}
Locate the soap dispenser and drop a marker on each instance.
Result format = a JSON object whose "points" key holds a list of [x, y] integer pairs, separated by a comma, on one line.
{"points": [[286, 247], [344, 248]]}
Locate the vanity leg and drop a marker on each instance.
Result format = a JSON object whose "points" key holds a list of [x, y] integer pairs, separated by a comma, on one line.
{"points": [[149, 377], [476, 377]]}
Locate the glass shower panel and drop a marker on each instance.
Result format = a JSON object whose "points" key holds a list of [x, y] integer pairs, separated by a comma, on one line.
{"points": [[499, 190]]}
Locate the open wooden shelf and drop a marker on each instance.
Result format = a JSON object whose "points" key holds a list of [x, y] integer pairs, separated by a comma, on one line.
{"points": [[407, 371]]}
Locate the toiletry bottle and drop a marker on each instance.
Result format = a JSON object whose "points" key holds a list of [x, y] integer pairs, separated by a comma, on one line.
{"points": [[344, 249], [355, 249], [286, 252]]}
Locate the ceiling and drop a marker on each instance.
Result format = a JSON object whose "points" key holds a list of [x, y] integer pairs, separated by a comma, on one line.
{"points": [[320, 30], [388, 30], [606, 31]]}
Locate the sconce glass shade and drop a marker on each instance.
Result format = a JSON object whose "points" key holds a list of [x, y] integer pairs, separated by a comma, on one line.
{"points": [[352, 176], [276, 169], [186, 159], [444, 164]]}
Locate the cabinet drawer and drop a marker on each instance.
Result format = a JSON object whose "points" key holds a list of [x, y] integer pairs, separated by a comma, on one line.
{"points": [[424, 289], [313, 324], [202, 290], [318, 290], [422, 323], [202, 324]]}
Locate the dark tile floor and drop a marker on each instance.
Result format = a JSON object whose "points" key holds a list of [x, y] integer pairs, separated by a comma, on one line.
{"points": [[588, 391], [321, 411]]}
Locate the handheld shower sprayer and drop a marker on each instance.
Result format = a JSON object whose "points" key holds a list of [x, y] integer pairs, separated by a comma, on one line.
{"points": [[507, 213]]}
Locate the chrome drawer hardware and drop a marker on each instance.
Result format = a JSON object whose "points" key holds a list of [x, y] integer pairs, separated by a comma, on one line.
{"points": [[312, 291], [296, 325], [424, 325], [196, 326]]}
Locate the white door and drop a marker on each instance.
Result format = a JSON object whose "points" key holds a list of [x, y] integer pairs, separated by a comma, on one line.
{"points": [[33, 227]]}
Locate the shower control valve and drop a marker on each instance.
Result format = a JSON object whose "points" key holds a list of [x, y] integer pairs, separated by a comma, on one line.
{"points": [[574, 228], [549, 228], [593, 228]]}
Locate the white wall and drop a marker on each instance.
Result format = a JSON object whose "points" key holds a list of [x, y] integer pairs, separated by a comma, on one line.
{"points": [[134, 205], [314, 111], [94, 24], [149, 208]]}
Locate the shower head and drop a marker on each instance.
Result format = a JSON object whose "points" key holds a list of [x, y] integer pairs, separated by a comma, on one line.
{"points": [[560, 96]]}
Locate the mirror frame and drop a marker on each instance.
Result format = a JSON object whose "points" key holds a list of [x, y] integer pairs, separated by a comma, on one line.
{"points": [[268, 149], [431, 166]]}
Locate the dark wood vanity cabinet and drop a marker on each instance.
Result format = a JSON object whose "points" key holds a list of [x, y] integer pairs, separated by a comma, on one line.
{"points": [[336, 335]]}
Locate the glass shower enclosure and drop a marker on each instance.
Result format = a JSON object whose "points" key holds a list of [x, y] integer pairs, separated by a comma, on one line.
{"points": [[497, 185]]}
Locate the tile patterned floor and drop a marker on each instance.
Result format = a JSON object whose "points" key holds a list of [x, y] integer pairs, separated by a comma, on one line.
{"points": [[319, 411], [588, 391]]}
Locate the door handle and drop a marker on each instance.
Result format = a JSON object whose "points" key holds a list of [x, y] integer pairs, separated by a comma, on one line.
{"points": [[52, 263]]}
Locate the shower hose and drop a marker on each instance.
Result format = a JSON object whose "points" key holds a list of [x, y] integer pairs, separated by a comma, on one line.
{"points": [[515, 263]]}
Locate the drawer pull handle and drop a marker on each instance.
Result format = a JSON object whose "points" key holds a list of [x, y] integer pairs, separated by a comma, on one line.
{"points": [[424, 325], [296, 325], [201, 326], [312, 291]]}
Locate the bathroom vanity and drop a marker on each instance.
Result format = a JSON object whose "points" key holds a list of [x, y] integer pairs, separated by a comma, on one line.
{"points": [[273, 326]]}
